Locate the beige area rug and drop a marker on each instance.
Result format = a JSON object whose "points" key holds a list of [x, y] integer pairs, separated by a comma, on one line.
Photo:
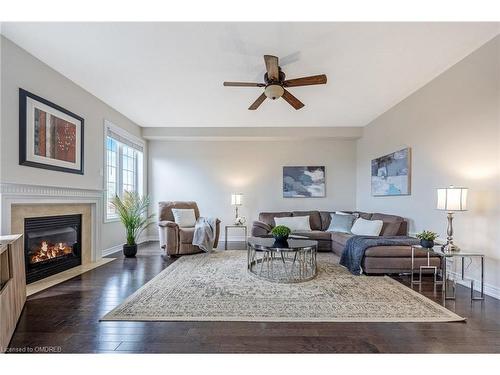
{"points": [[217, 287]]}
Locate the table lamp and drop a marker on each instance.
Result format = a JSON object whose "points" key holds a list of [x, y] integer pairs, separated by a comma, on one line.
{"points": [[236, 199], [451, 199]]}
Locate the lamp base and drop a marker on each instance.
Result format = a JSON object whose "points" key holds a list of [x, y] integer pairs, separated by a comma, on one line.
{"points": [[450, 247]]}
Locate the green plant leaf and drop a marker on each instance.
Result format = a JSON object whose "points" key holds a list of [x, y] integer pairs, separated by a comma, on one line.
{"points": [[132, 210], [281, 231], [427, 235]]}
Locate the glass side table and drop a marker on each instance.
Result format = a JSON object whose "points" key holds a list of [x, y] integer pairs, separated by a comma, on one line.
{"points": [[427, 266], [244, 227], [445, 255]]}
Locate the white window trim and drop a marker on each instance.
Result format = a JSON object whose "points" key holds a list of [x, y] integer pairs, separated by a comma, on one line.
{"points": [[108, 125]]}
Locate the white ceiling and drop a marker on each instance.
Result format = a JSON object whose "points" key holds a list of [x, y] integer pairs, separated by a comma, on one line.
{"points": [[171, 74]]}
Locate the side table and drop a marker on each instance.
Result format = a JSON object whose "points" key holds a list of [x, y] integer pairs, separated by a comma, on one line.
{"points": [[428, 266], [445, 255], [226, 227]]}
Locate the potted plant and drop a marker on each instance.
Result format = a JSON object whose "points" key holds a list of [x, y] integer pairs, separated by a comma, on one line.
{"points": [[427, 238], [281, 233], [132, 210]]}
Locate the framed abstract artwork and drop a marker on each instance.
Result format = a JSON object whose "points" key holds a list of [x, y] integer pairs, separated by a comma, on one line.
{"points": [[304, 182], [50, 137], [390, 174]]}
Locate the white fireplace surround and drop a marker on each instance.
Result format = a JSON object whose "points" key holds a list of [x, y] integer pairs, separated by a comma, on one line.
{"points": [[11, 194]]}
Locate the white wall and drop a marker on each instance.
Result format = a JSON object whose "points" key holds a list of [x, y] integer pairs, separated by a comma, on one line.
{"points": [[20, 69], [453, 127], [208, 171]]}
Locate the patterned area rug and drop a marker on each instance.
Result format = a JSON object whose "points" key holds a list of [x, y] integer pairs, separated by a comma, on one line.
{"points": [[217, 287]]}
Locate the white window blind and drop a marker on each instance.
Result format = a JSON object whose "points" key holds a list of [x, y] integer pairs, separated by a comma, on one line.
{"points": [[123, 140], [124, 167]]}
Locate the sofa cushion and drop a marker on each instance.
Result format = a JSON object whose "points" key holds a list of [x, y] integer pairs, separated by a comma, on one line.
{"points": [[268, 217], [341, 223], [186, 235], [391, 229], [314, 218], [315, 235], [340, 238], [363, 227], [294, 223], [392, 224], [325, 219], [364, 215]]}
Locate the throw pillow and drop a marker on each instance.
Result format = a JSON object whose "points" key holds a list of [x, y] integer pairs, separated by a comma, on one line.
{"points": [[341, 223], [363, 227], [295, 223], [184, 217]]}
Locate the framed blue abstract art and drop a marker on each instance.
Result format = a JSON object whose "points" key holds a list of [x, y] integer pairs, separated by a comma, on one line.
{"points": [[304, 182], [390, 174]]}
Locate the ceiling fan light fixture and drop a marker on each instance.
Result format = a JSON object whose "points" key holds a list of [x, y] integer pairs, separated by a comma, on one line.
{"points": [[275, 82], [274, 91]]}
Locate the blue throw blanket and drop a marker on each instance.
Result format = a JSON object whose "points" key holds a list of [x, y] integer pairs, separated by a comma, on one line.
{"points": [[356, 246]]}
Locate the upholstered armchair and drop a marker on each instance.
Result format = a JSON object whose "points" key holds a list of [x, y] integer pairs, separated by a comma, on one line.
{"points": [[175, 240]]}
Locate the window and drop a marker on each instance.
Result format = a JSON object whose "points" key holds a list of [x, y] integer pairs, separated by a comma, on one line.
{"points": [[123, 166]]}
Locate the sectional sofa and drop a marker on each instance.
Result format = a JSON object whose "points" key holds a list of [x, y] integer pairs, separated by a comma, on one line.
{"points": [[377, 260]]}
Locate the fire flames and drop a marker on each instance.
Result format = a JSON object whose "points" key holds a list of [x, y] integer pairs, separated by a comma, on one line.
{"points": [[48, 251]]}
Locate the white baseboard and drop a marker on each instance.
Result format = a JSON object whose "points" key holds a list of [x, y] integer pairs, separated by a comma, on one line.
{"points": [[489, 289], [221, 238], [233, 239], [117, 248], [153, 237], [111, 250], [149, 238]]}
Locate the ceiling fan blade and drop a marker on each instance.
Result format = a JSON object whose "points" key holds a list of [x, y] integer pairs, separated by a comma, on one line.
{"points": [[244, 84], [306, 81], [292, 100], [258, 102], [272, 67]]}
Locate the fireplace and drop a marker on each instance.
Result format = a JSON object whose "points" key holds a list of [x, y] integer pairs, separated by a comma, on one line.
{"points": [[52, 244]]}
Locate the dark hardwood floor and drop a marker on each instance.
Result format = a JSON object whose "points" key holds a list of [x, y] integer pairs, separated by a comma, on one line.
{"points": [[65, 318]]}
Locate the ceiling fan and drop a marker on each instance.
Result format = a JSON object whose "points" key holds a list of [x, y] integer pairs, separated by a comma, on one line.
{"points": [[275, 84]]}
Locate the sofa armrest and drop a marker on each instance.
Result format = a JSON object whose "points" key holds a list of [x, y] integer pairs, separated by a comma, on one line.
{"points": [[167, 223], [169, 236], [260, 228]]}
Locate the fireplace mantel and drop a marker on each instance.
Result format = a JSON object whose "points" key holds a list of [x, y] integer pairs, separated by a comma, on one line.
{"points": [[23, 194]]}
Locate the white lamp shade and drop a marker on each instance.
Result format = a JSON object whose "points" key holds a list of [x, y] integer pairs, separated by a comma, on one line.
{"points": [[236, 199], [452, 199]]}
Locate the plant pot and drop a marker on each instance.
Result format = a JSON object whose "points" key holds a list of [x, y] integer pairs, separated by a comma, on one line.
{"points": [[280, 244], [280, 239], [427, 243], [129, 250]]}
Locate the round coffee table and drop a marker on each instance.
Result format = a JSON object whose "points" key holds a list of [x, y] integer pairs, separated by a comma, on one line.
{"points": [[293, 261]]}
